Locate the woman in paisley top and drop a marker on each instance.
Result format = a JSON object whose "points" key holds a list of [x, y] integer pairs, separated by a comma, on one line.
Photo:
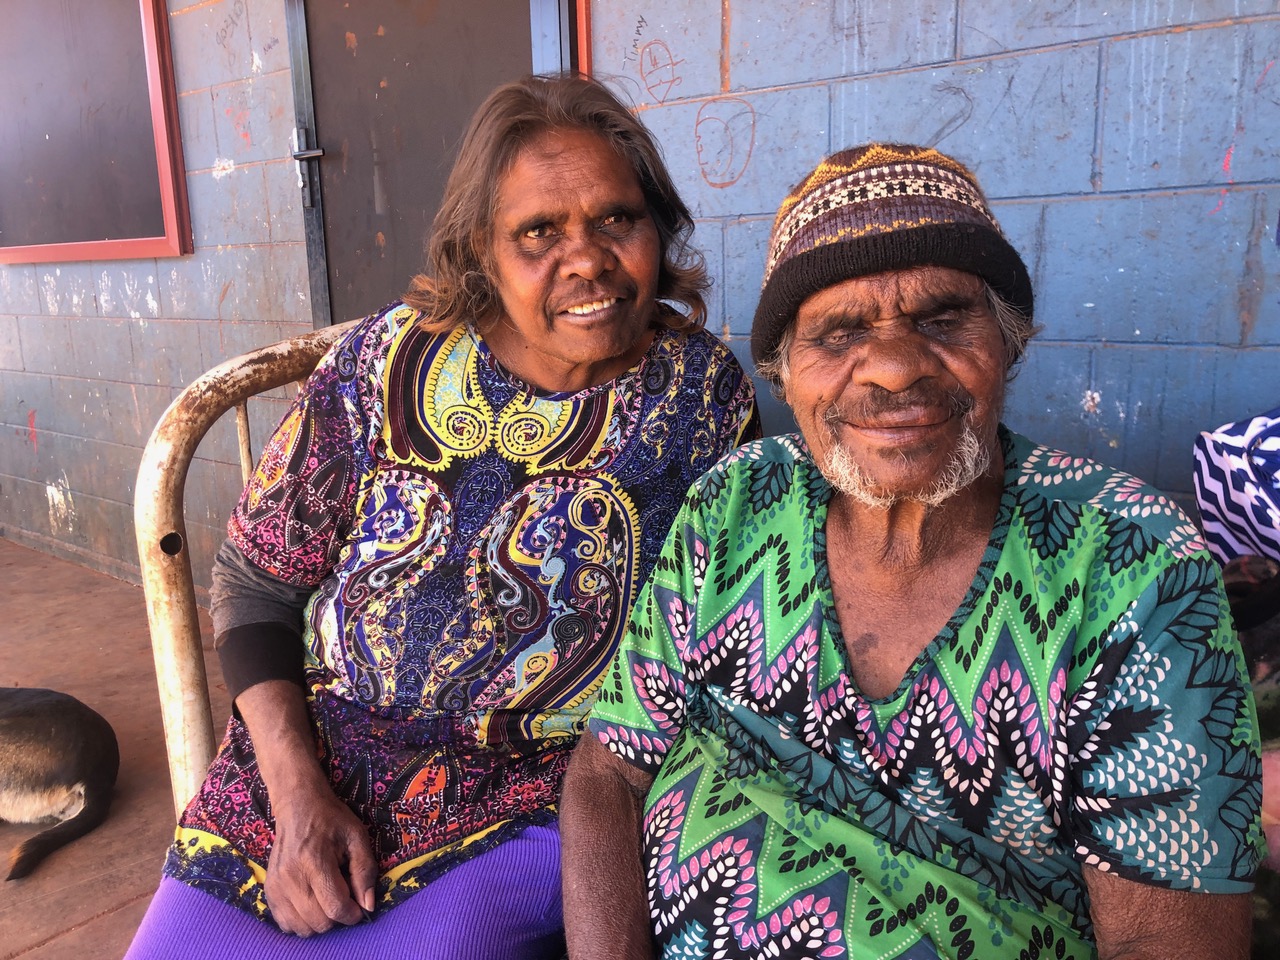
{"points": [[432, 565]]}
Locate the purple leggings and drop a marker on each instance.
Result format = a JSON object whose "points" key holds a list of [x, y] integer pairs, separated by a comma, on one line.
{"points": [[503, 905]]}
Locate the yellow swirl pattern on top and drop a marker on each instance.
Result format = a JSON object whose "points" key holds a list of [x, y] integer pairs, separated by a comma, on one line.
{"points": [[542, 433]]}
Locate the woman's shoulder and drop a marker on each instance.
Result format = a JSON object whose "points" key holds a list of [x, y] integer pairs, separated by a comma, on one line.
{"points": [[696, 341], [365, 347], [699, 361], [386, 324]]}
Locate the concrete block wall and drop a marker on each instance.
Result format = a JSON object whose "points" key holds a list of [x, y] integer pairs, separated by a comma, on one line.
{"points": [[1131, 150], [92, 353]]}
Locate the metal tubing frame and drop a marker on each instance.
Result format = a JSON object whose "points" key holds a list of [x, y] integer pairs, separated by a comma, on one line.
{"points": [[163, 550]]}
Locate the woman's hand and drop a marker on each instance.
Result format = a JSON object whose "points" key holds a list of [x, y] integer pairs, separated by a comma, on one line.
{"points": [[321, 870]]}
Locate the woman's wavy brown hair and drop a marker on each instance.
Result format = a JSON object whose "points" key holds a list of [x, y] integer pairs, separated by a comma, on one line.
{"points": [[456, 286]]}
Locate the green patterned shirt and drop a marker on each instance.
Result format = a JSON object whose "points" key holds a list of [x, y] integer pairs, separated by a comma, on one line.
{"points": [[1086, 705]]}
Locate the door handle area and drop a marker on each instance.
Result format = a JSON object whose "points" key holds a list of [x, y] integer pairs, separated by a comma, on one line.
{"points": [[303, 154]]}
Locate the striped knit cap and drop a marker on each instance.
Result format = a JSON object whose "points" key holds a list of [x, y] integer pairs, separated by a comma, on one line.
{"points": [[874, 208]]}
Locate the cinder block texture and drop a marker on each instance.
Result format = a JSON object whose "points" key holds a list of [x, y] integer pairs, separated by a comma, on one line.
{"points": [[663, 51], [1129, 150], [96, 351], [1193, 108], [1159, 267], [737, 155], [253, 118], [746, 243], [820, 40], [1024, 124], [18, 290], [995, 27]]}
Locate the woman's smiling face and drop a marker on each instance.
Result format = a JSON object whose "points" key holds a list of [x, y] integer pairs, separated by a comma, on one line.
{"points": [[575, 258]]}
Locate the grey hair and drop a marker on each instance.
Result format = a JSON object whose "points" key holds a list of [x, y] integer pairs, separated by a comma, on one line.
{"points": [[1016, 330]]}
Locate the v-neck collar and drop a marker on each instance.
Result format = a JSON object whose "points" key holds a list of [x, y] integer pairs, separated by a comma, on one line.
{"points": [[819, 494]]}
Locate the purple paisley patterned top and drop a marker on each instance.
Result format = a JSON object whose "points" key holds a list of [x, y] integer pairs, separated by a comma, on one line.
{"points": [[475, 546]]}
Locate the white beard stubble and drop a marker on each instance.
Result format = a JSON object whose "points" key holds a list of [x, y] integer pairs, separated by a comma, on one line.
{"points": [[969, 461]]}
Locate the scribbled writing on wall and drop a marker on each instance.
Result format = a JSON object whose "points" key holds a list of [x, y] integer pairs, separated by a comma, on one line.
{"points": [[724, 135], [632, 53], [658, 70], [231, 22], [240, 121]]}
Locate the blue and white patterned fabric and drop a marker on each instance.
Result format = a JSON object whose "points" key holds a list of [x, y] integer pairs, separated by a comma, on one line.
{"points": [[1237, 478]]}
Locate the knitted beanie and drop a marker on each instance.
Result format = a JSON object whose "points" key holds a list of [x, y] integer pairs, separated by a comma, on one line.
{"points": [[879, 207]]}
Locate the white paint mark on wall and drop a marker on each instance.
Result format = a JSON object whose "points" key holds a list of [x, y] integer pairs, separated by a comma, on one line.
{"points": [[50, 285], [62, 509], [151, 303], [1092, 398], [223, 167], [257, 62], [177, 293]]}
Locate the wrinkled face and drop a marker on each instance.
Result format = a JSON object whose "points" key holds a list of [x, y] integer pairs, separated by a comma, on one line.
{"points": [[576, 258], [897, 383]]}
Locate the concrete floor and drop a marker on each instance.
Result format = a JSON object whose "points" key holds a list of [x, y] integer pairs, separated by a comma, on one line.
{"points": [[65, 627], [68, 628]]}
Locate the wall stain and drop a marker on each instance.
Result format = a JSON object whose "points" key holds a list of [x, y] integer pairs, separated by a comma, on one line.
{"points": [[62, 508], [1249, 293], [226, 289]]}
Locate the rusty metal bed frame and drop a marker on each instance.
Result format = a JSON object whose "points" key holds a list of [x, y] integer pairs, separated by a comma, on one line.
{"points": [[162, 536]]}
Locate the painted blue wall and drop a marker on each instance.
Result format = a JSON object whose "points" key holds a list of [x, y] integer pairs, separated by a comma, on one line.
{"points": [[1131, 151], [91, 354]]}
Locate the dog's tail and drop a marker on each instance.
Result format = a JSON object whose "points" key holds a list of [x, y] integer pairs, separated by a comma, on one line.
{"points": [[28, 854]]}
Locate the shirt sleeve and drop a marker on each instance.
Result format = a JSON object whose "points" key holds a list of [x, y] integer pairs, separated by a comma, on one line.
{"points": [[1165, 760], [257, 623], [284, 536], [641, 708], [298, 505]]}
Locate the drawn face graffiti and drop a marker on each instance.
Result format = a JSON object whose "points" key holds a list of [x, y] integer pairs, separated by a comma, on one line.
{"points": [[658, 70], [724, 135]]}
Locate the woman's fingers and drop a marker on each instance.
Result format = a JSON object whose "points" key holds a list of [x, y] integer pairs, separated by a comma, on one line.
{"points": [[307, 875], [363, 871]]}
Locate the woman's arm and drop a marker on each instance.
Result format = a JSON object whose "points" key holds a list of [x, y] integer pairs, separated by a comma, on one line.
{"points": [[321, 870], [606, 909]]}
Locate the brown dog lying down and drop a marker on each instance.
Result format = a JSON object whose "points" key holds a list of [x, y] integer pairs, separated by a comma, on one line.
{"points": [[58, 761]]}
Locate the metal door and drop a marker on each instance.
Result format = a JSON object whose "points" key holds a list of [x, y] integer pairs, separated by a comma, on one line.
{"points": [[383, 90]]}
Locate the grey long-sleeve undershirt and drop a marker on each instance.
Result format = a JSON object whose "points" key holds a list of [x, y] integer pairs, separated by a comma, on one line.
{"points": [[257, 622]]}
